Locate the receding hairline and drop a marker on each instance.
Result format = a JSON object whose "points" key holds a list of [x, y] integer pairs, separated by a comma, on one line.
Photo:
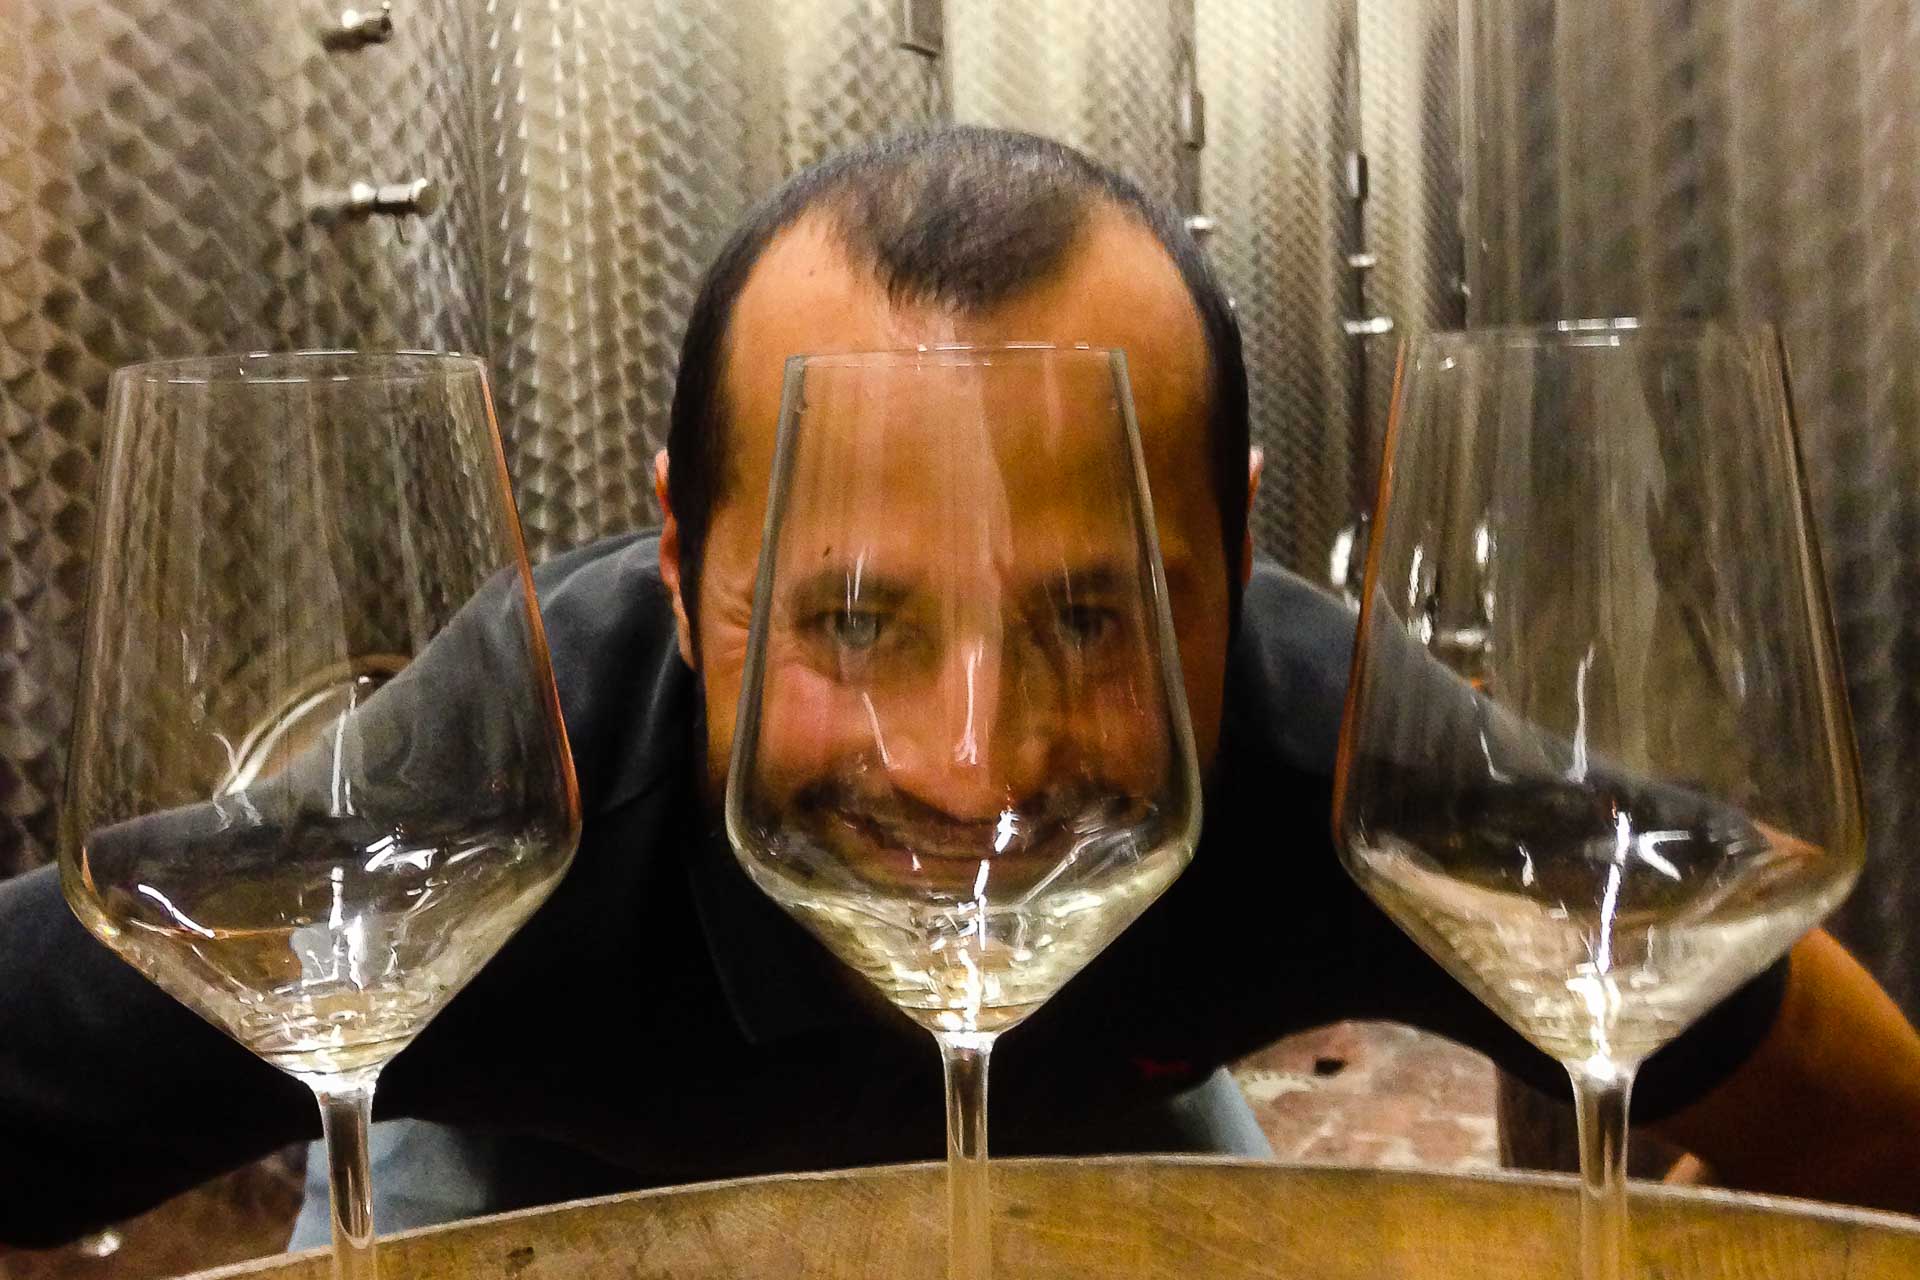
{"points": [[826, 219], [953, 203]]}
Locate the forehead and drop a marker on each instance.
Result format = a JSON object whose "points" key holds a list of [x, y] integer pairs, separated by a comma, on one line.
{"points": [[961, 465], [1117, 288]]}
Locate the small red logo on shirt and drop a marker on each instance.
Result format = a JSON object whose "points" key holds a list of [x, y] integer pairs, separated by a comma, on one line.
{"points": [[1163, 1068]]}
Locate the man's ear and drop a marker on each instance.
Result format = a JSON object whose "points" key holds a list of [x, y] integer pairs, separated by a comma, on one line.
{"points": [[1256, 464], [670, 557]]}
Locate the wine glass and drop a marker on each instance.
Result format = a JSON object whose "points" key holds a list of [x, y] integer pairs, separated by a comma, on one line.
{"points": [[962, 757], [1597, 757], [318, 772]]}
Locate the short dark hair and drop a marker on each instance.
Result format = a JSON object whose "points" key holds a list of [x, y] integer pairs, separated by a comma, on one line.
{"points": [[962, 217]]}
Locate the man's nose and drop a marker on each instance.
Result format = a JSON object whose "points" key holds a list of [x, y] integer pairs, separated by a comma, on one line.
{"points": [[979, 743]]}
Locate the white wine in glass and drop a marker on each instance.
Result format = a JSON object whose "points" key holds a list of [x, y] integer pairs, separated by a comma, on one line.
{"points": [[962, 757], [318, 772], [1597, 757]]}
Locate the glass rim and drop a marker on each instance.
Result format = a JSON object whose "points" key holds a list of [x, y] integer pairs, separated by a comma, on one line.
{"points": [[304, 365], [947, 353], [1597, 331]]}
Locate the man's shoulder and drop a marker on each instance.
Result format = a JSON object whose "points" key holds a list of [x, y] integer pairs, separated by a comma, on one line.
{"points": [[1287, 676], [626, 694], [605, 601], [632, 557]]}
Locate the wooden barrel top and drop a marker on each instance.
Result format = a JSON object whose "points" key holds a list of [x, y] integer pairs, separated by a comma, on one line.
{"points": [[1171, 1217]]}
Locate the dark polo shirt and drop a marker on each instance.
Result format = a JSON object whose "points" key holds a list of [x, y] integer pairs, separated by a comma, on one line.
{"points": [[659, 1021]]}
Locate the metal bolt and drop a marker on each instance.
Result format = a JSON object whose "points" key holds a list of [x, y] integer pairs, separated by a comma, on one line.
{"points": [[358, 28], [417, 196]]}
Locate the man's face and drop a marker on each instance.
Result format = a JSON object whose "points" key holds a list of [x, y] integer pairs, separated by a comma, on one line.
{"points": [[1118, 289]]}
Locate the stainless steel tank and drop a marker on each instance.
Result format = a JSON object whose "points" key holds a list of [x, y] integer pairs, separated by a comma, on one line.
{"points": [[178, 178], [1755, 158], [1330, 183], [538, 180], [1113, 79]]}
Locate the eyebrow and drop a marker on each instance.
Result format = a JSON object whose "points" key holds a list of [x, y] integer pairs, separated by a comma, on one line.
{"points": [[851, 582], [1099, 578]]}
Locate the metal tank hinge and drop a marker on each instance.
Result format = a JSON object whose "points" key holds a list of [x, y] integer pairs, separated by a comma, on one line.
{"points": [[920, 26]]}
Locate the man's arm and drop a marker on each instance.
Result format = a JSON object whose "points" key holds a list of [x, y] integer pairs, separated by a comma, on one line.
{"points": [[112, 1096], [1826, 1103], [1828, 1106]]}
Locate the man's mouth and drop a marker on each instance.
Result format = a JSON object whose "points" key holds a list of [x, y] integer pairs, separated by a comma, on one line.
{"points": [[896, 842]]}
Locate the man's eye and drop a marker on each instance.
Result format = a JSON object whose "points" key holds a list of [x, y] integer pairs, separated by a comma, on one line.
{"points": [[1086, 625], [856, 629]]}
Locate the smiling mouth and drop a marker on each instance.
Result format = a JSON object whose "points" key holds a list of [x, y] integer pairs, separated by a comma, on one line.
{"points": [[897, 845], [949, 863], [1008, 836]]}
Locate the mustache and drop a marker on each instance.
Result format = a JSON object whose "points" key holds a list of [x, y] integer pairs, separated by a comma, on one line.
{"points": [[1034, 823]]}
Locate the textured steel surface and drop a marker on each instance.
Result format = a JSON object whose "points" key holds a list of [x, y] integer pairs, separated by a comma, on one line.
{"points": [[1410, 130], [1281, 116], [1103, 77], [1758, 158], [47, 433], [615, 168], [166, 168], [628, 139], [160, 168], [844, 79], [1292, 90], [1409, 86], [403, 109]]}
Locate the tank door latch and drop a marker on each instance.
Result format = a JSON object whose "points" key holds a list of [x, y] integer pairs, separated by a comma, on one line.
{"points": [[921, 26]]}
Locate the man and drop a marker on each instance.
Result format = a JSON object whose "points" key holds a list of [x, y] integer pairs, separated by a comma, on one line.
{"points": [[660, 1021]]}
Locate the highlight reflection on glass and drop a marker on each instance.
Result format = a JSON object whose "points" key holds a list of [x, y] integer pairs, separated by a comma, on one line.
{"points": [[318, 772], [1597, 759], [962, 756]]}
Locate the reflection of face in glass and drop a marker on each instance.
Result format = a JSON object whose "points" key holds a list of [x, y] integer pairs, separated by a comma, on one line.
{"points": [[961, 683]]}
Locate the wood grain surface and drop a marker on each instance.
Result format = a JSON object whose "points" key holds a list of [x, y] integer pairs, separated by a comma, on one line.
{"points": [[1190, 1218]]}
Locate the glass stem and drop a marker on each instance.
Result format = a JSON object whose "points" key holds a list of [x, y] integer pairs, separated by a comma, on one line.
{"points": [[1601, 1088], [346, 1112], [969, 1237]]}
